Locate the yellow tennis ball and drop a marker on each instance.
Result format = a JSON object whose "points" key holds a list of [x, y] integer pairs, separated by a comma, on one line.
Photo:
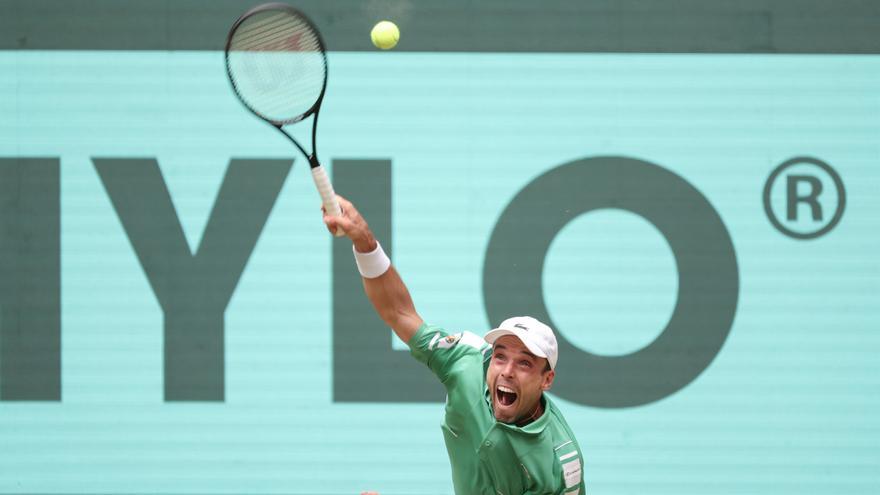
{"points": [[385, 35]]}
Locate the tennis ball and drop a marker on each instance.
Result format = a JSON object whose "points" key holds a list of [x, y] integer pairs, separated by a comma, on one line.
{"points": [[385, 35]]}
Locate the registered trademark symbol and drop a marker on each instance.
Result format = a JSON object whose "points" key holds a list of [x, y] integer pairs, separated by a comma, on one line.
{"points": [[799, 195]]}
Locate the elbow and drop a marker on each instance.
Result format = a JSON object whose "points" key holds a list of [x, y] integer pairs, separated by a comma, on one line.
{"points": [[404, 322]]}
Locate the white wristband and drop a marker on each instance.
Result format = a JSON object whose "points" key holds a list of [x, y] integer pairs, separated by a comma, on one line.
{"points": [[372, 264]]}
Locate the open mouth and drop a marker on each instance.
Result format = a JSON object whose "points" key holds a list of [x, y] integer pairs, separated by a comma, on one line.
{"points": [[505, 395]]}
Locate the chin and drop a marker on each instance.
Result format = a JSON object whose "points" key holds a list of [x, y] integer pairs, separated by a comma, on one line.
{"points": [[504, 418]]}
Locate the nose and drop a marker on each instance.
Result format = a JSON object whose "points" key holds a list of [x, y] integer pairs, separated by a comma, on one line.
{"points": [[507, 369]]}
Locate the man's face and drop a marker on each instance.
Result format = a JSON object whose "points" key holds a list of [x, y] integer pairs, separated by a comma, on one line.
{"points": [[516, 379]]}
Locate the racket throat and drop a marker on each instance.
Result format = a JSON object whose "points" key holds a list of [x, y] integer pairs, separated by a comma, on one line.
{"points": [[313, 161], [312, 157]]}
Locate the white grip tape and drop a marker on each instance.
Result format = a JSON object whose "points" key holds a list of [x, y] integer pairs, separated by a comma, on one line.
{"points": [[372, 264], [328, 196]]}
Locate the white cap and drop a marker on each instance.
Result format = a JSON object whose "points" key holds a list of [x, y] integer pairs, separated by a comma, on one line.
{"points": [[536, 336]]}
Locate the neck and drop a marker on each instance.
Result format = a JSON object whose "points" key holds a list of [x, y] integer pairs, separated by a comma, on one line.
{"points": [[539, 410]]}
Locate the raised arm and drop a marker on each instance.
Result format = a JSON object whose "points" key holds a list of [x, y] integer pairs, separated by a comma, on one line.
{"points": [[386, 291]]}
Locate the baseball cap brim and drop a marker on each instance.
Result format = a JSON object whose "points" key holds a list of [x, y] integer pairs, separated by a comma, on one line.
{"points": [[493, 335]]}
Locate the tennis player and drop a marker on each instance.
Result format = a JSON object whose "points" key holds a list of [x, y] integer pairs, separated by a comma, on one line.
{"points": [[504, 436]]}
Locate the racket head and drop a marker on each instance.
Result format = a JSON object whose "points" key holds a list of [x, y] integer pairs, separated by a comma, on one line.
{"points": [[277, 63]]}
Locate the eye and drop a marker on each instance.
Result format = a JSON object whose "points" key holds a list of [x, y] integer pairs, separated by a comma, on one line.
{"points": [[525, 364], [499, 356]]}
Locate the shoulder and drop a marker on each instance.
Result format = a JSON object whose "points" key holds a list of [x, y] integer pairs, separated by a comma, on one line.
{"points": [[433, 338], [448, 353], [467, 339]]}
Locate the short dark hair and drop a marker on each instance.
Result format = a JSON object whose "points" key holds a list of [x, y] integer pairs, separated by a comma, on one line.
{"points": [[547, 366]]}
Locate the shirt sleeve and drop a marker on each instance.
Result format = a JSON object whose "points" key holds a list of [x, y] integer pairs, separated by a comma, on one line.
{"points": [[572, 473], [441, 351]]}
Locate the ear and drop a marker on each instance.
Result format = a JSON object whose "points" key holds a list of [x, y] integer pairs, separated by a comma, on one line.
{"points": [[548, 380]]}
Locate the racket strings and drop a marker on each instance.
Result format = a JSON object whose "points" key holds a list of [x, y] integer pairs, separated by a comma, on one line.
{"points": [[277, 65], [260, 34]]}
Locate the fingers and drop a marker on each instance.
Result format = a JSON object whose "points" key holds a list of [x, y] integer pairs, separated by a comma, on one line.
{"points": [[348, 209], [350, 221], [348, 225], [345, 205], [334, 222]]}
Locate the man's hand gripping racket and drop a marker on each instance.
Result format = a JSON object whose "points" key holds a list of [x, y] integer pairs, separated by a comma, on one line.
{"points": [[353, 224]]}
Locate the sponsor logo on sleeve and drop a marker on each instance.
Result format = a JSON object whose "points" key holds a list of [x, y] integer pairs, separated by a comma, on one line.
{"points": [[448, 341], [572, 473]]}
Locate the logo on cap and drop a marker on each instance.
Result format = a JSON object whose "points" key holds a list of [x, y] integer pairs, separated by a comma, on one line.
{"points": [[520, 325]]}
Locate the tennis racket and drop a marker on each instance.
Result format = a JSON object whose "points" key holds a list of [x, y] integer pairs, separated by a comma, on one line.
{"points": [[277, 64]]}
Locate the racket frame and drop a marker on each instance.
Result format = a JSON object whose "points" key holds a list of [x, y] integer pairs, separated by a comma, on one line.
{"points": [[319, 175]]}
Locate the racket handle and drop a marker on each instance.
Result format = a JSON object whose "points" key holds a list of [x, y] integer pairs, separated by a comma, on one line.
{"points": [[328, 196]]}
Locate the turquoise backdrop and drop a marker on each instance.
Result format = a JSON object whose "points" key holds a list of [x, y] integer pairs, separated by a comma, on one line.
{"points": [[791, 404]]}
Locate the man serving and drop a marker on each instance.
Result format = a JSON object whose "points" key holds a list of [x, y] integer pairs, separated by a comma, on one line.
{"points": [[503, 434]]}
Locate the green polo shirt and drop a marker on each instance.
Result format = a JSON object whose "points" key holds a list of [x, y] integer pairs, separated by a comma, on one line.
{"points": [[489, 457]]}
